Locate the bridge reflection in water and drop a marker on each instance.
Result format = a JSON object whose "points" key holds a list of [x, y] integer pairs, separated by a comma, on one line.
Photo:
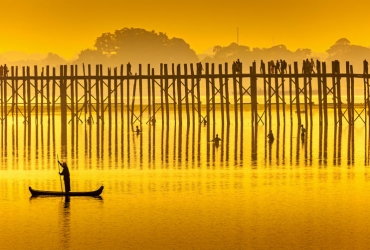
{"points": [[179, 146]]}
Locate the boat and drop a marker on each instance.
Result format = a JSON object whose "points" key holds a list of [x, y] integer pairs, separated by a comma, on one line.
{"points": [[59, 193]]}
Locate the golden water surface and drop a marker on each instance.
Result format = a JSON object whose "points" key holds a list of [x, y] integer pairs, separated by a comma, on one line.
{"points": [[170, 188]]}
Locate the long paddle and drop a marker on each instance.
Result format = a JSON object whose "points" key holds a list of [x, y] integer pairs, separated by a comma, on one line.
{"points": [[60, 177]]}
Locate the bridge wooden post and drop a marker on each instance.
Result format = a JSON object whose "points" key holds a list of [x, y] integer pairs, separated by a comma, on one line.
{"points": [[227, 93], [178, 83], [186, 94], [298, 105], [220, 79], [166, 95]]}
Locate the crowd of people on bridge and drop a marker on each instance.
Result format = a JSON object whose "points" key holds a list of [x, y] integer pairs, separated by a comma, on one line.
{"points": [[3, 70]]}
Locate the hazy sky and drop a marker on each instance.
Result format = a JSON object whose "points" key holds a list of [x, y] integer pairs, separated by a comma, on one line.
{"points": [[66, 27]]}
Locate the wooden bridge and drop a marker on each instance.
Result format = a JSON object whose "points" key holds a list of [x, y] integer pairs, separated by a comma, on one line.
{"points": [[94, 94]]}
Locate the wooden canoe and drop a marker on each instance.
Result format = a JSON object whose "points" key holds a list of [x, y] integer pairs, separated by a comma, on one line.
{"points": [[59, 193]]}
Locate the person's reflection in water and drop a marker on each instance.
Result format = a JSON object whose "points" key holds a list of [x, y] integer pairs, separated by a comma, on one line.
{"points": [[65, 173]]}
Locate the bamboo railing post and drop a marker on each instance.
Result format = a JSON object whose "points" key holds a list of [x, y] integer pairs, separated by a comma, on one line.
{"points": [[348, 88], [48, 92], [334, 92], [29, 109], [199, 72], [178, 82], [325, 96], [339, 95], [63, 101], [213, 93], [305, 83], [128, 98], [207, 95], [269, 99], [17, 94], [42, 95], [352, 95], [115, 87], [277, 98], [221, 94], [97, 89], [24, 84], [162, 91], [149, 93], [76, 93], [53, 94], [298, 105], [192, 91], [290, 93], [109, 92], [121, 92], [36, 94], [173, 73], [72, 94], [186, 94], [235, 94], [166, 94], [227, 94], [101, 81], [241, 92], [320, 90], [310, 98], [140, 93], [153, 97], [89, 92]]}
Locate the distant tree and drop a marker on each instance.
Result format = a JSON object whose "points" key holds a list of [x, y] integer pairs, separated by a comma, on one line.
{"points": [[90, 56], [136, 45], [343, 41], [344, 51], [231, 52], [53, 59]]}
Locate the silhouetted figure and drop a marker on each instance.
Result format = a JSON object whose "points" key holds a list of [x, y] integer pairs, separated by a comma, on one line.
{"points": [[6, 70], [153, 121], [65, 173], [205, 122], [312, 65], [129, 69], [88, 121], [1, 70], [262, 67], [199, 68], [283, 66], [270, 136], [303, 131], [277, 66], [137, 130], [366, 67], [216, 139], [272, 67]]}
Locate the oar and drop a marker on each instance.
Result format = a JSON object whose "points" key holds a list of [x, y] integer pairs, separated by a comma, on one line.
{"points": [[60, 177]]}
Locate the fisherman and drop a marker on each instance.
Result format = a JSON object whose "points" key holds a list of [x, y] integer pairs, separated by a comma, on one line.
{"points": [[65, 173], [216, 140], [271, 136], [303, 131], [137, 130]]}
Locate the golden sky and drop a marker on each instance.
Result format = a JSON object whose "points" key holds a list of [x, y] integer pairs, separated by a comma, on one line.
{"points": [[66, 27]]}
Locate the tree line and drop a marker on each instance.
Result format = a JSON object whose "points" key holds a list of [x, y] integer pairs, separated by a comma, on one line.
{"points": [[139, 46]]}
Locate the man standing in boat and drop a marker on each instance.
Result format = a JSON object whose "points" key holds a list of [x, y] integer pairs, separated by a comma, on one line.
{"points": [[65, 173]]}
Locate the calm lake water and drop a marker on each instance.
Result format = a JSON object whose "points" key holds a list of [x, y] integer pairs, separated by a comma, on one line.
{"points": [[169, 188]]}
